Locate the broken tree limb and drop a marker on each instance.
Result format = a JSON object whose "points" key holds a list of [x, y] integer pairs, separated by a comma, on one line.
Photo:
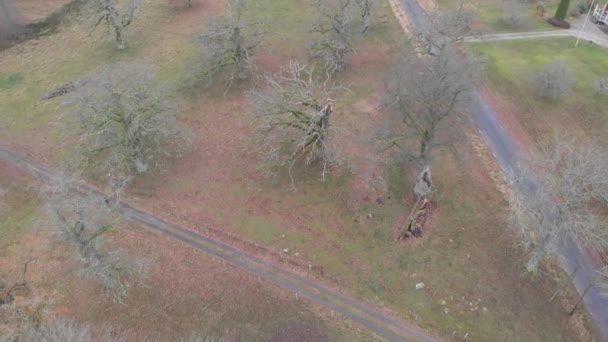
{"points": [[416, 219], [64, 89]]}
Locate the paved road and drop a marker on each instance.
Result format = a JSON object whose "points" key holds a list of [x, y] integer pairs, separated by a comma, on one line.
{"points": [[508, 157], [585, 37], [370, 318]]}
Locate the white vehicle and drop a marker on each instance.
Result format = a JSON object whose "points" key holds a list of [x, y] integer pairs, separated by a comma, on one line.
{"points": [[600, 14]]}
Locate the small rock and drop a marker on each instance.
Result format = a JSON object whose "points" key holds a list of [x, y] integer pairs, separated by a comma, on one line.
{"points": [[286, 250], [419, 286], [297, 254], [370, 216], [413, 275], [442, 302], [484, 308], [446, 311], [282, 236]]}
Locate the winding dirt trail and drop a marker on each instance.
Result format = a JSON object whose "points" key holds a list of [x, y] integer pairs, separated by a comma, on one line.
{"points": [[371, 318]]}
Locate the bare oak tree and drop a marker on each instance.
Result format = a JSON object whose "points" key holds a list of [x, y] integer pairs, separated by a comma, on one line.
{"points": [[115, 18], [430, 95], [568, 201], [444, 28], [294, 114], [84, 220], [429, 87], [123, 119], [335, 31], [228, 44]]}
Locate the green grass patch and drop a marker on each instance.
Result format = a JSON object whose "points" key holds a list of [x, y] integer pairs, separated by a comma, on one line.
{"points": [[511, 65], [260, 230], [491, 13], [10, 80]]}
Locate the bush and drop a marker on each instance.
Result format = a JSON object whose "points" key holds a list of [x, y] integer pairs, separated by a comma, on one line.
{"points": [[513, 14], [553, 81], [559, 23], [583, 7], [600, 86]]}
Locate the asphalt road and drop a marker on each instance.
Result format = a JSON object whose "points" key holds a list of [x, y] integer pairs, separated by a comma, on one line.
{"points": [[371, 318], [508, 157]]}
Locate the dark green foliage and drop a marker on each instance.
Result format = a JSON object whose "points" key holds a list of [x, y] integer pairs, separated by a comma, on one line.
{"points": [[562, 10]]}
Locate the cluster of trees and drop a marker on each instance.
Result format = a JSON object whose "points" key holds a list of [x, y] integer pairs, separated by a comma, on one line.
{"points": [[118, 124], [121, 124], [566, 205]]}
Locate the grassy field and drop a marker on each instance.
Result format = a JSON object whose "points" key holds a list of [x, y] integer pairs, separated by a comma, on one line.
{"points": [[468, 261], [510, 66], [185, 293], [492, 14]]}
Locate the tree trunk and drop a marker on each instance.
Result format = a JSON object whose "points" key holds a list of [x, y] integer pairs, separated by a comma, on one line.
{"points": [[119, 40], [366, 21]]}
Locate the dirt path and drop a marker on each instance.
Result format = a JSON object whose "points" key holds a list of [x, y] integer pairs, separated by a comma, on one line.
{"points": [[508, 156], [369, 317]]}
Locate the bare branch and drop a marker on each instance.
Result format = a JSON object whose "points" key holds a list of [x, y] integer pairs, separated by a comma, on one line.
{"points": [[124, 121], [335, 33], [84, 220], [228, 44], [294, 113], [109, 13], [567, 201]]}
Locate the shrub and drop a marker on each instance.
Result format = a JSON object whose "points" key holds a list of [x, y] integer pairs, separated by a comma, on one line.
{"points": [[512, 14], [553, 81], [600, 86]]}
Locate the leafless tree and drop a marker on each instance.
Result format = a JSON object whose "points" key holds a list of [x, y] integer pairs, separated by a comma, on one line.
{"points": [[366, 7], [228, 44], [567, 201], [430, 95], [124, 120], [429, 87], [294, 112], [553, 81], [115, 18], [84, 220], [335, 32], [444, 28], [18, 316]]}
